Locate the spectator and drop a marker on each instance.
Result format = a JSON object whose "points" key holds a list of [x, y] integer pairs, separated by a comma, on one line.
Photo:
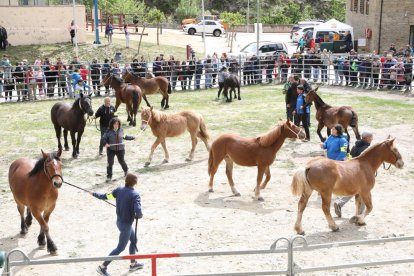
{"points": [[3, 38], [348, 41], [183, 75], [51, 75], [5, 67], [74, 64], [301, 111], [208, 71], [190, 72], [72, 31], [109, 31], [408, 73], [81, 88], [83, 72], [325, 61], [126, 32], [392, 48], [39, 76], [62, 81], [270, 66], [198, 73], [360, 146], [214, 63], [106, 69], [75, 77], [96, 77], [157, 67], [18, 74], [248, 72], [291, 97], [31, 84], [376, 69]]}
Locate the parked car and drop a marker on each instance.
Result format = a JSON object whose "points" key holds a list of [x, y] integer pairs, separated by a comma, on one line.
{"points": [[198, 19], [300, 32], [266, 48], [302, 25], [211, 27]]}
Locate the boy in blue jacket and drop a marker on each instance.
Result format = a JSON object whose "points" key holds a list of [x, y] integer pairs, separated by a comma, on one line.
{"points": [[336, 144]]}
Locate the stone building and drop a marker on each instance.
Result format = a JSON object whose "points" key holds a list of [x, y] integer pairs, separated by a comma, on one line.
{"points": [[388, 21]]}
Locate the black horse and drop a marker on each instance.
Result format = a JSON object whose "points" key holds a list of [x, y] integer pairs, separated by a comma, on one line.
{"points": [[231, 82], [71, 118]]}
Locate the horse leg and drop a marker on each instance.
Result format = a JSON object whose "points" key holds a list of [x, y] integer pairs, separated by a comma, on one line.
{"points": [[229, 173], [267, 173], [51, 247], [166, 106], [166, 155], [23, 225], [260, 172], [129, 112], [318, 131], [303, 201], [238, 91], [65, 136], [213, 164], [73, 137], [29, 217], [145, 99], [78, 141], [58, 131], [360, 218], [348, 138], [153, 147], [326, 207], [193, 146], [204, 139]]}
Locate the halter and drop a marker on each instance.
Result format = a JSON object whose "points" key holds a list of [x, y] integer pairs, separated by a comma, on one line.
{"points": [[48, 174], [147, 121], [297, 134]]}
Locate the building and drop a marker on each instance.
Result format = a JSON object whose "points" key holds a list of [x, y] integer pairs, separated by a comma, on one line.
{"points": [[381, 22]]}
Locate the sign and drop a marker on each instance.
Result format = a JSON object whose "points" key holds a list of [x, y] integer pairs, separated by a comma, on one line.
{"points": [[362, 42]]}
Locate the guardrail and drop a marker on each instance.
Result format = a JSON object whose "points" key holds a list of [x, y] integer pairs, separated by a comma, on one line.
{"points": [[291, 247]]}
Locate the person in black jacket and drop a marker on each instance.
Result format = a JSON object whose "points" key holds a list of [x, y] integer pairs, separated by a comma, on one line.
{"points": [[96, 77], [3, 38], [360, 146], [291, 96], [106, 112]]}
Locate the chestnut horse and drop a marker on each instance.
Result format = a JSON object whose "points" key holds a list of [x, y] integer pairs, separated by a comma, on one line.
{"points": [[344, 178], [150, 86], [328, 116], [170, 125], [128, 94], [35, 185], [71, 118], [259, 152]]}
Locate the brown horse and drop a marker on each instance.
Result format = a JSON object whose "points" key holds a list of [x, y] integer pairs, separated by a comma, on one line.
{"points": [[150, 86], [35, 185], [170, 125], [345, 178], [128, 94], [328, 116], [71, 118], [260, 152]]}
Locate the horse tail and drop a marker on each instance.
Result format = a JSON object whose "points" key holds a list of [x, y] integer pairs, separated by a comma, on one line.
{"points": [[203, 129], [300, 184], [135, 101], [354, 124], [169, 88]]}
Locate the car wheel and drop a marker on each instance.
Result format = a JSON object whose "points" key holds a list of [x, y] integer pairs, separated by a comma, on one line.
{"points": [[191, 31], [217, 33]]}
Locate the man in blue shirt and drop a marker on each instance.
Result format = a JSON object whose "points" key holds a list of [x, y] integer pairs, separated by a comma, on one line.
{"points": [[302, 110], [128, 208]]}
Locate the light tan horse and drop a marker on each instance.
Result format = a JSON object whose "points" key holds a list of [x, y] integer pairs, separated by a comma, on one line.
{"points": [[259, 152], [344, 178], [150, 86], [170, 125]]}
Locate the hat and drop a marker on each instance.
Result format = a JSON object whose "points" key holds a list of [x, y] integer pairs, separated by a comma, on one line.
{"points": [[300, 86]]}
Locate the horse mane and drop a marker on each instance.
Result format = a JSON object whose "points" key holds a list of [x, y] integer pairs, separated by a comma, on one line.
{"points": [[40, 163], [158, 115], [118, 79], [319, 101], [76, 103], [270, 137]]}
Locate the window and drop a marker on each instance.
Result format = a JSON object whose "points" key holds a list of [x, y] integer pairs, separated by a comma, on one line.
{"points": [[354, 6], [367, 8], [362, 6]]}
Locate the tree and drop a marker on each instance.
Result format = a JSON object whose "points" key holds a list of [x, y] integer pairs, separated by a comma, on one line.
{"points": [[154, 15], [187, 9]]}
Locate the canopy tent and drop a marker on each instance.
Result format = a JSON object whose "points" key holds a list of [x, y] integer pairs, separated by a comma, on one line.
{"points": [[335, 26]]}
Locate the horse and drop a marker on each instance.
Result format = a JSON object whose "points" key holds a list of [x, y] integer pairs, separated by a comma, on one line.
{"points": [[344, 178], [260, 152], [150, 86], [35, 185], [328, 116], [231, 82], [71, 118], [128, 94], [171, 125]]}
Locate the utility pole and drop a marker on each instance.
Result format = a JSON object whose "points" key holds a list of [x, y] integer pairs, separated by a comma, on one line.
{"points": [[257, 27], [248, 16], [76, 29], [204, 27], [96, 21]]}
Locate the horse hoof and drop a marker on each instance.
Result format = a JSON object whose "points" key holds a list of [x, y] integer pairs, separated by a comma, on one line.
{"points": [[147, 164], [23, 232], [361, 223], [164, 161], [302, 233], [42, 246], [188, 159], [237, 194], [239, 99], [53, 252], [66, 148], [75, 156], [335, 229], [354, 219], [260, 199]]}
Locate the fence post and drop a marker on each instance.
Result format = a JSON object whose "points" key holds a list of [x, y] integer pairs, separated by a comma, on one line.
{"points": [[291, 270]]}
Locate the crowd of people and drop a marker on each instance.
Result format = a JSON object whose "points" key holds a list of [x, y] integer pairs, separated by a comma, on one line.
{"points": [[43, 78]]}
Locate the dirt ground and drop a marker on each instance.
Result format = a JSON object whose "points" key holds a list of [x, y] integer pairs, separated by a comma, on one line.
{"points": [[181, 216]]}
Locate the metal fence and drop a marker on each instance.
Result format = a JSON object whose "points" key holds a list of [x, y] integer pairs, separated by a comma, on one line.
{"points": [[358, 71], [290, 246]]}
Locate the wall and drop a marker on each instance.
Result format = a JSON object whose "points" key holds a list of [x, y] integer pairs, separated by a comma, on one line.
{"points": [[395, 25], [41, 25]]}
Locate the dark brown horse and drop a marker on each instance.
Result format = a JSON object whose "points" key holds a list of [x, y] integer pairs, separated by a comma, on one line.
{"points": [[71, 118], [150, 86], [259, 152], [128, 94], [329, 116], [35, 185], [231, 83], [344, 178]]}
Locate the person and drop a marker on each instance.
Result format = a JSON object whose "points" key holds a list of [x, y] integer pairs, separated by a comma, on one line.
{"points": [[113, 142], [106, 112], [3, 38], [109, 31], [96, 77], [126, 36], [128, 207], [301, 110], [348, 41], [336, 144], [80, 87], [360, 146], [72, 31], [291, 96]]}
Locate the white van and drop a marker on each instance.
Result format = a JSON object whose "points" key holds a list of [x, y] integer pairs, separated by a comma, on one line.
{"points": [[302, 26]]}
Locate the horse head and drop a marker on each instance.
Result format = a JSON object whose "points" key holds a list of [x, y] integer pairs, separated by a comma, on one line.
{"points": [[127, 76], [106, 81], [52, 167], [293, 131], [85, 104], [393, 156], [146, 115], [310, 96]]}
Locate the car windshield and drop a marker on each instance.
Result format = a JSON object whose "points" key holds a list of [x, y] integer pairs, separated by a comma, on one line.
{"points": [[251, 48]]}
